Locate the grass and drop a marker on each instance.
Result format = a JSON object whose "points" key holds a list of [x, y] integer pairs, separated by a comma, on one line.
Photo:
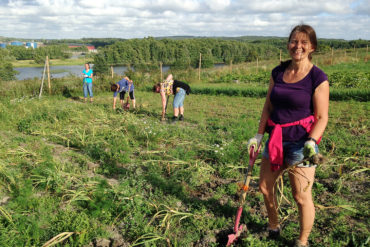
{"points": [[78, 173], [53, 62], [74, 173]]}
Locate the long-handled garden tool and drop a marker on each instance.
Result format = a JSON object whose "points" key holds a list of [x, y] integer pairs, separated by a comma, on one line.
{"points": [[315, 159], [244, 188]]}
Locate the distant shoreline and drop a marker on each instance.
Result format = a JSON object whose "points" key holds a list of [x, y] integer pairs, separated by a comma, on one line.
{"points": [[53, 62]]}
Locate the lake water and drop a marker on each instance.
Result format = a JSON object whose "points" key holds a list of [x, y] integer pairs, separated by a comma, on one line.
{"points": [[62, 71]]}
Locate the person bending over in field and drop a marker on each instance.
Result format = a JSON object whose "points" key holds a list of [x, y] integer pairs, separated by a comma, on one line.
{"points": [[121, 87], [179, 89], [295, 115]]}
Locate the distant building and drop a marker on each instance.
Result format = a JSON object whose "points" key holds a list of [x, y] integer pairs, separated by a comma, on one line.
{"points": [[16, 43], [91, 48], [31, 45]]}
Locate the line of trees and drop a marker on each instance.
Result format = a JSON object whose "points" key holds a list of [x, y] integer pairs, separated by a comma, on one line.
{"points": [[38, 54], [7, 72], [180, 54], [146, 53]]}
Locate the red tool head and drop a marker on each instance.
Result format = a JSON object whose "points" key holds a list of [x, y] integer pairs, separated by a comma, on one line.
{"points": [[233, 237]]}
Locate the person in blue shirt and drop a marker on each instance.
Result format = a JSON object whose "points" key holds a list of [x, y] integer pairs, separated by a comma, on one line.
{"points": [[121, 87], [87, 82]]}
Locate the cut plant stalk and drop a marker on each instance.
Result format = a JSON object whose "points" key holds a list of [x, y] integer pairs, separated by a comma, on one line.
{"points": [[244, 189]]}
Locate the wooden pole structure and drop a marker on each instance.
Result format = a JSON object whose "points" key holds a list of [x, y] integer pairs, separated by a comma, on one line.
{"points": [[200, 65], [231, 66], [354, 50], [257, 65], [332, 56], [280, 55], [161, 68], [112, 71], [42, 81], [48, 71]]}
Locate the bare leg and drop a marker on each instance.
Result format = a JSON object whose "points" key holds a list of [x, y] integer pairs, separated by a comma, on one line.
{"points": [[176, 112], [267, 187], [91, 99], [122, 103], [181, 110], [133, 103], [302, 180]]}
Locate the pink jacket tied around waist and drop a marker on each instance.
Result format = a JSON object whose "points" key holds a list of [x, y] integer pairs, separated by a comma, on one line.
{"points": [[275, 145]]}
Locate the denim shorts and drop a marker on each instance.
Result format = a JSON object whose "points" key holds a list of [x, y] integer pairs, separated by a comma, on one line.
{"points": [[123, 93], [178, 101], [88, 89], [293, 153]]}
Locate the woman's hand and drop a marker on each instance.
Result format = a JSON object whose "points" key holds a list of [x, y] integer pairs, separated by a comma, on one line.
{"points": [[309, 149], [254, 142]]}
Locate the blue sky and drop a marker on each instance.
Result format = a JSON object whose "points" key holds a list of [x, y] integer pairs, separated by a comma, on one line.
{"points": [[343, 19]]}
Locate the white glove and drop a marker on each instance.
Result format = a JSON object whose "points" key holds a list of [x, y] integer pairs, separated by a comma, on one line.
{"points": [[309, 149], [255, 142]]}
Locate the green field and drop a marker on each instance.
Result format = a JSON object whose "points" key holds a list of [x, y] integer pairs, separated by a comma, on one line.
{"points": [[53, 62], [98, 176]]}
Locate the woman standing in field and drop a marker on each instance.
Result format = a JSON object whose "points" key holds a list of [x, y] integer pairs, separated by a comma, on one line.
{"points": [[295, 115], [87, 82], [179, 89]]}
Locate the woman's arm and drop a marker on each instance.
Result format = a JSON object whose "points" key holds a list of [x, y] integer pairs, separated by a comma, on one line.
{"points": [[114, 102], [321, 110], [267, 109], [91, 76]]}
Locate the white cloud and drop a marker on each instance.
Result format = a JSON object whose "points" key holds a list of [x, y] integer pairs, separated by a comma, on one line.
{"points": [[140, 18]]}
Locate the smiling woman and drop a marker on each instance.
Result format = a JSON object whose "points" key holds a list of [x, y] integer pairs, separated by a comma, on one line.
{"points": [[295, 115]]}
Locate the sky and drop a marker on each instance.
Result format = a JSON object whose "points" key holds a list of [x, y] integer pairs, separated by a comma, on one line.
{"points": [[62, 19]]}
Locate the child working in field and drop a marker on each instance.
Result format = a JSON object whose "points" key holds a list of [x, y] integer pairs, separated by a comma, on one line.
{"points": [[121, 87]]}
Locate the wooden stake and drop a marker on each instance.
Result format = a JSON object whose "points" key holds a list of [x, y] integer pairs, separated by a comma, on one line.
{"points": [[332, 56], [280, 55], [48, 71], [257, 64], [200, 65], [231, 66], [367, 49], [42, 81], [160, 66], [112, 71]]}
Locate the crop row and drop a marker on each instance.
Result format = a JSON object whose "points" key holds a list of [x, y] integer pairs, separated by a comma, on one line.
{"points": [[337, 79]]}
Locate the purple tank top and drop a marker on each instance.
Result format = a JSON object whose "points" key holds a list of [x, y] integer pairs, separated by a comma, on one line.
{"points": [[293, 101]]}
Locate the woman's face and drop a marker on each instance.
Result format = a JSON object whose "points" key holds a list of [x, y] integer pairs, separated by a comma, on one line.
{"points": [[299, 46], [87, 66]]}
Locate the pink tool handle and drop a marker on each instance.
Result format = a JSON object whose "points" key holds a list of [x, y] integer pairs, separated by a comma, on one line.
{"points": [[253, 155], [237, 220]]}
